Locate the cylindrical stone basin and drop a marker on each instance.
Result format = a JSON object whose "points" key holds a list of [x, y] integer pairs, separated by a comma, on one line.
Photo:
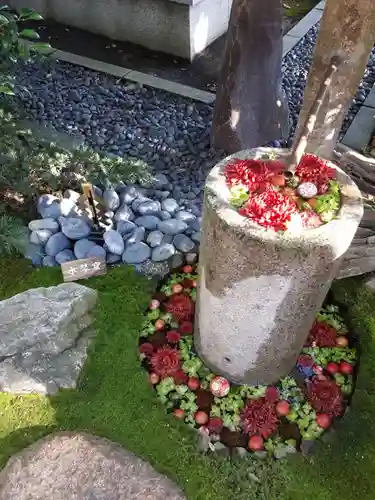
{"points": [[259, 290]]}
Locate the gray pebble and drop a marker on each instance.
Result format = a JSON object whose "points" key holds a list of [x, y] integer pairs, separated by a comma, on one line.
{"points": [[137, 236], [183, 243], [112, 258], [96, 251], [162, 252], [57, 243], [111, 200], [170, 205], [136, 253], [160, 181], [74, 228], [155, 238], [40, 237], [47, 224], [172, 226], [82, 248], [164, 215], [124, 213], [150, 222], [65, 256], [149, 207], [114, 242], [185, 216], [125, 227]]}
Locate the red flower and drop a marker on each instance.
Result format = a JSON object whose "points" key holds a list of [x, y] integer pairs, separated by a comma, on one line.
{"points": [[259, 417], [180, 378], [173, 337], [166, 361], [180, 306], [271, 394], [313, 169], [186, 327], [270, 209], [251, 174], [146, 349], [215, 425], [321, 335], [305, 361], [325, 397]]}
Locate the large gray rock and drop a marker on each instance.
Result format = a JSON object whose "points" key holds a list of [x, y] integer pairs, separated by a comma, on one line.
{"points": [[44, 224], [172, 226], [57, 243], [250, 108], [136, 253], [43, 338], [74, 227], [71, 466], [114, 242], [259, 290], [48, 206]]}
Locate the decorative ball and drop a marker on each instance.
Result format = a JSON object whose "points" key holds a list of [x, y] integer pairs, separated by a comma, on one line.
{"points": [[219, 386], [307, 190]]}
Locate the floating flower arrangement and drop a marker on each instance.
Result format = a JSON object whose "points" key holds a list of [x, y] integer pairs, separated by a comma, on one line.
{"points": [[262, 191], [275, 419]]}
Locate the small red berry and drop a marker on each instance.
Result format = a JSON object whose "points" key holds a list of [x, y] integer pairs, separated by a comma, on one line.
{"points": [[193, 383], [323, 420], [332, 368], [187, 269], [153, 378], [159, 324], [345, 368], [256, 443], [201, 417], [342, 341], [282, 408], [154, 304], [178, 413]]}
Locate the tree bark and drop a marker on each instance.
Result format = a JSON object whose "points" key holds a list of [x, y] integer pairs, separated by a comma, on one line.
{"points": [[251, 109]]}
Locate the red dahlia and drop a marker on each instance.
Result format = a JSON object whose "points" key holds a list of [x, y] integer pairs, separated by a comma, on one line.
{"points": [[259, 417], [313, 169], [270, 209], [186, 327], [325, 396], [165, 361], [321, 335], [180, 306], [146, 349], [173, 337]]}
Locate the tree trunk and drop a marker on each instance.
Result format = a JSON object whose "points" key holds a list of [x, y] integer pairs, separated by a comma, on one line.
{"points": [[348, 29], [251, 109]]}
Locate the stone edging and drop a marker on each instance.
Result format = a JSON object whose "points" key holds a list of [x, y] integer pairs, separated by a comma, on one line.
{"points": [[361, 129], [289, 41]]}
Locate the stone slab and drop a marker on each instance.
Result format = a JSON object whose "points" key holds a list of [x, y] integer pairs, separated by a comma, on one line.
{"points": [[70, 466], [301, 28], [288, 43], [359, 133], [370, 100]]}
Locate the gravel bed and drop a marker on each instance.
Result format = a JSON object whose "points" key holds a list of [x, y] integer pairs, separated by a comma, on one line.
{"points": [[169, 132]]}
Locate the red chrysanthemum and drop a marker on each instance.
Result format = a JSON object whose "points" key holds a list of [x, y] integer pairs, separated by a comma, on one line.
{"points": [[305, 361], [180, 378], [251, 174], [313, 169], [325, 397], [186, 327], [272, 394], [146, 349], [259, 417], [173, 336], [215, 425], [270, 209], [180, 306], [166, 361], [321, 335]]}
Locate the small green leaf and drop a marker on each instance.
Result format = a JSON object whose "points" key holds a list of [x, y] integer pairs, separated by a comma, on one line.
{"points": [[4, 89], [30, 34], [40, 47], [29, 15], [3, 20]]}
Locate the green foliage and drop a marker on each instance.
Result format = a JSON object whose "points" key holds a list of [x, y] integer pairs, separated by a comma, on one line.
{"points": [[29, 167], [13, 235], [14, 44], [327, 205], [238, 196]]}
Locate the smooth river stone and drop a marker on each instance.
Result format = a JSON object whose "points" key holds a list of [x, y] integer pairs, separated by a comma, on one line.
{"points": [[259, 290]]}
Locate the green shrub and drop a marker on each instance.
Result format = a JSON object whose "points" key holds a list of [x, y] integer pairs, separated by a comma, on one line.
{"points": [[13, 235]]}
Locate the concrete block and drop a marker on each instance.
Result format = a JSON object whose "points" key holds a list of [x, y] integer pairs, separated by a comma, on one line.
{"points": [[306, 23], [360, 131]]}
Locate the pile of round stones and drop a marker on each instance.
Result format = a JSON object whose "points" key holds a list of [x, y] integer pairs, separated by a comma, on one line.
{"points": [[137, 229]]}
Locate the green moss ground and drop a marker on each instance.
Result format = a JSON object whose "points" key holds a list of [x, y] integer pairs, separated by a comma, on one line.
{"points": [[114, 400]]}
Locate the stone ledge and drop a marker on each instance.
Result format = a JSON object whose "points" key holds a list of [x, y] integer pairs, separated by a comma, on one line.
{"points": [[359, 133]]}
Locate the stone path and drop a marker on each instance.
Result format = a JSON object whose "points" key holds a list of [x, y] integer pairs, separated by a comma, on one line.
{"points": [[69, 466]]}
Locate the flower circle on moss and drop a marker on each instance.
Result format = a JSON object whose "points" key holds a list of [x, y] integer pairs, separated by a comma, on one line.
{"points": [[219, 386]]}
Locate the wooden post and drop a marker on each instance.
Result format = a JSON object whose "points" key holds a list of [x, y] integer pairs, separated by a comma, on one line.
{"points": [[347, 29]]}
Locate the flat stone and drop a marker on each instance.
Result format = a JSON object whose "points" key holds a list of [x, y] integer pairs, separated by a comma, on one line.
{"points": [[149, 222], [48, 206], [40, 237], [164, 215], [155, 238], [82, 248], [159, 181], [191, 258], [68, 207], [149, 207], [172, 226], [162, 252], [111, 199], [170, 205], [114, 242], [125, 227], [79, 466], [153, 269], [183, 243], [65, 256], [49, 261], [39, 331], [44, 224], [74, 227], [124, 213], [136, 253], [57, 243]]}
